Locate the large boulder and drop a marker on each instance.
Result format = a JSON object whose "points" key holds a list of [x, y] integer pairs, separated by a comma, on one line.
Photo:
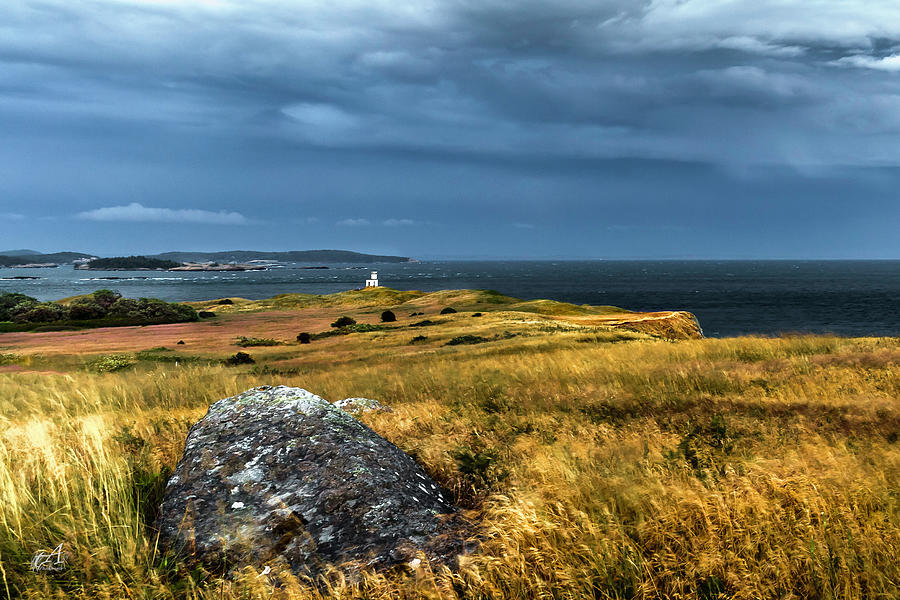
{"points": [[279, 474]]}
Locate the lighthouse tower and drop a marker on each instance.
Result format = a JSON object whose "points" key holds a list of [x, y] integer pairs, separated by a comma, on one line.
{"points": [[373, 281]]}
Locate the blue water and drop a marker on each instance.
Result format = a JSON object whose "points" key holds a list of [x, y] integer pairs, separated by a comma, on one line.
{"points": [[854, 298]]}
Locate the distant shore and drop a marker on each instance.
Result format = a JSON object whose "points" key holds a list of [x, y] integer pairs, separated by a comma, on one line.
{"points": [[184, 267]]}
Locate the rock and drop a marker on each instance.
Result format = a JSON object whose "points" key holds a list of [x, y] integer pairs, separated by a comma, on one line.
{"points": [[358, 406], [279, 474]]}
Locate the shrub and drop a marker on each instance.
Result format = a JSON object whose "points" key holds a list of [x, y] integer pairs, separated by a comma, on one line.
{"points": [[45, 312], [105, 298], [225, 301], [476, 314], [85, 309], [113, 362], [9, 302], [424, 323], [244, 342], [240, 358], [418, 339], [467, 339], [206, 314], [448, 311], [388, 317], [304, 338], [344, 322], [151, 310], [365, 328]]}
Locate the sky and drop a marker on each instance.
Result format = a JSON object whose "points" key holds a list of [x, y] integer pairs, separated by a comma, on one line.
{"points": [[453, 128]]}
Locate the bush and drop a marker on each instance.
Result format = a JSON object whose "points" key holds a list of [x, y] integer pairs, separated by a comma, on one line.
{"points": [[9, 359], [113, 362], [424, 323], [102, 308], [388, 317], [45, 312], [240, 358], [467, 339], [476, 314], [10, 302], [418, 339], [448, 311], [225, 301], [344, 322], [244, 342], [85, 309], [206, 314], [304, 338], [151, 311], [105, 298]]}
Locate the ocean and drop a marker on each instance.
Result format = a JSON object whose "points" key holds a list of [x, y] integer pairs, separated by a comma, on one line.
{"points": [[849, 298]]}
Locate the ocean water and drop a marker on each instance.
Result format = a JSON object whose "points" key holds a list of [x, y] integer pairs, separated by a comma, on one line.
{"points": [[851, 298]]}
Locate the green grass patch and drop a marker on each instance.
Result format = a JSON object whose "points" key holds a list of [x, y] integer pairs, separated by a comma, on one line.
{"points": [[246, 342]]}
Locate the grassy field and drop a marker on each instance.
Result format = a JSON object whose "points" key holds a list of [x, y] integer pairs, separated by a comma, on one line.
{"points": [[597, 455]]}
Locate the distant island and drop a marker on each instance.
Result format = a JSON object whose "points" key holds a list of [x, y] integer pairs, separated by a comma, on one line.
{"points": [[317, 256], [231, 260], [36, 258], [128, 263]]}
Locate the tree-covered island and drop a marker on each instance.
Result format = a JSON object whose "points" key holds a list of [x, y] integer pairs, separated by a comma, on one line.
{"points": [[129, 263]]}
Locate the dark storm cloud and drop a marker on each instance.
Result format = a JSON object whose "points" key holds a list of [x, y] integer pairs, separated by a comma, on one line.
{"points": [[374, 115]]}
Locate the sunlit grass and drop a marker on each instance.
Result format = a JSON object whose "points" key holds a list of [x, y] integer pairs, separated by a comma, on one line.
{"points": [[596, 463]]}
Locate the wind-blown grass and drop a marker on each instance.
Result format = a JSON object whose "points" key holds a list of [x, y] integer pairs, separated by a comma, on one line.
{"points": [[596, 465]]}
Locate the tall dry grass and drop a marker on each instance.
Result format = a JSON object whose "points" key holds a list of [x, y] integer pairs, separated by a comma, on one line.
{"points": [[741, 468]]}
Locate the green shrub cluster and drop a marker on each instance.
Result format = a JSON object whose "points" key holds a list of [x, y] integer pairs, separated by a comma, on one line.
{"points": [[8, 359], [103, 307], [347, 330], [245, 342], [344, 321], [112, 362], [239, 358], [467, 339]]}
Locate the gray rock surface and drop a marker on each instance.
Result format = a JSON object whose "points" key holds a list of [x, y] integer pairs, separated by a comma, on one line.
{"points": [[278, 473], [358, 406]]}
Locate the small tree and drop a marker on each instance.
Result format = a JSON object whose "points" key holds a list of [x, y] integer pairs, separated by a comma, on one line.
{"points": [[303, 338], [388, 317], [106, 298], [240, 358], [448, 311], [344, 322], [86, 308]]}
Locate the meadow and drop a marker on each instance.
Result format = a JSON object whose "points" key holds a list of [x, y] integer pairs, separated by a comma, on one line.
{"points": [[598, 454]]}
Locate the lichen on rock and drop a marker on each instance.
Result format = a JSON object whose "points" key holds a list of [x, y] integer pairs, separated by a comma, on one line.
{"points": [[357, 406], [280, 474]]}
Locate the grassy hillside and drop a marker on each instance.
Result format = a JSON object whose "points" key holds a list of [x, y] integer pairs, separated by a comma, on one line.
{"points": [[596, 461]]}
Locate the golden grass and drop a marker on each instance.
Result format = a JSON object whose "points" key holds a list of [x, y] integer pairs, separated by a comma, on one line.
{"points": [[597, 463]]}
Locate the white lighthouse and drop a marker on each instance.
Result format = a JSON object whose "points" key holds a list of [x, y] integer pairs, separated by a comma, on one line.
{"points": [[373, 281]]}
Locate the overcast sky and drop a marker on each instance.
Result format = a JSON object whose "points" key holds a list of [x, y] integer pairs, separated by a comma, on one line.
{"points": [[453, 128]]}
